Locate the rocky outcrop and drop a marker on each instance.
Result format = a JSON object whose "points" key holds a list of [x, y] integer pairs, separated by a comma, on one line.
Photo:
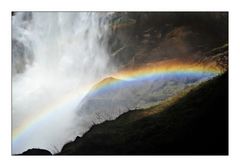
{"points": [[36, 151], [160, 36]]}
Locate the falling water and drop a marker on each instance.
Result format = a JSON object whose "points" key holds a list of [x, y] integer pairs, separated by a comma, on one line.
{"points": [[54, 53]]}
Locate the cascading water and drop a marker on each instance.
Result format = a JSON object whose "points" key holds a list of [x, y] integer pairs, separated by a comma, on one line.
{"points": [[53, 55], [58, 59]]}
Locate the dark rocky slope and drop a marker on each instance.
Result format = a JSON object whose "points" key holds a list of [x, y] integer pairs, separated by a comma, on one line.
{"points": [[195, 124]]}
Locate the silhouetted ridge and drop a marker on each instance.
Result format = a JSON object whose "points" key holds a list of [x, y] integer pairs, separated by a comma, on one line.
{"points": [[36, 151], [195, 124]]}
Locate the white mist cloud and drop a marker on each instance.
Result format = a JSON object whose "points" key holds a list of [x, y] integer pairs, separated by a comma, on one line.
{"points": [[69, 50]]}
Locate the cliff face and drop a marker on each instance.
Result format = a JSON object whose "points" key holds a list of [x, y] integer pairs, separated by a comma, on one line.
{"points": [[157, 36]]}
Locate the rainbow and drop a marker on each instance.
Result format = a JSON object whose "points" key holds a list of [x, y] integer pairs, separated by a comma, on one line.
{"points": [[157, 70], [151, 70]]}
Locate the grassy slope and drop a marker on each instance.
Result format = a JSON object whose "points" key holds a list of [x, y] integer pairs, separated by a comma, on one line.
{"points": [[194, 124]]}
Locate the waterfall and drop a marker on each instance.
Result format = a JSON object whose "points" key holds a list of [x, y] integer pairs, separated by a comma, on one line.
{"points": [[54, 53]]}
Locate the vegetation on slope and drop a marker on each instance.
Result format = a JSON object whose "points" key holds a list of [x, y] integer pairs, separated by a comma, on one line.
{"points": [[194, 124]]}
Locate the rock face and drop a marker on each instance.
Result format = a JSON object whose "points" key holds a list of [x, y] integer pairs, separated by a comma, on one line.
{"points": [[168, 35], [36, 151]]}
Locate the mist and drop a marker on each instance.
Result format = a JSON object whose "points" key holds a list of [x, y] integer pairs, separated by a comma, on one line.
{"points": [[53, 55], [72, 70]]}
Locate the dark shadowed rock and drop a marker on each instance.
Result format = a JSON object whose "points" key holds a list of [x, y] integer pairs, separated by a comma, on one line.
{"points": [[196, 124], [158, 36], [36, 151]]}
